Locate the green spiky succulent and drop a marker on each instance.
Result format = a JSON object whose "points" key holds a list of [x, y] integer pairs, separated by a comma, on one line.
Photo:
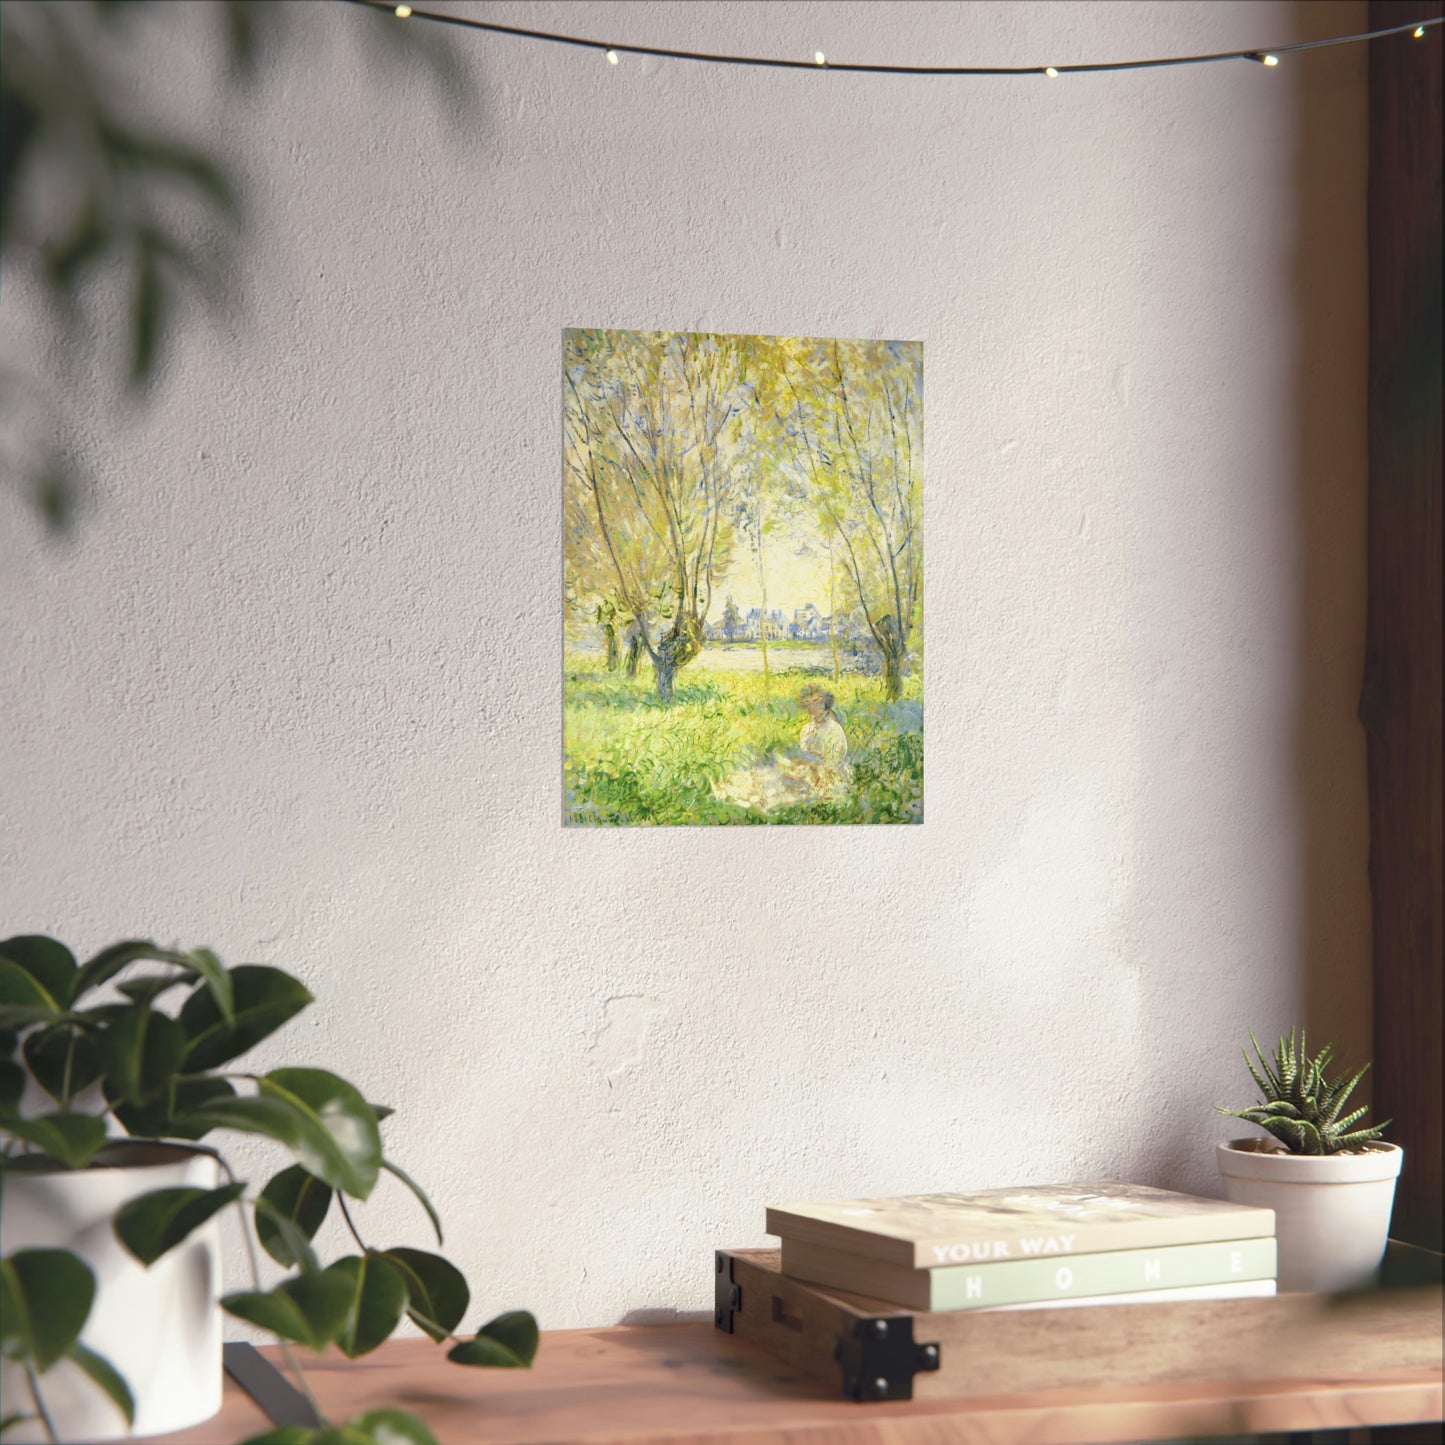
{"points": [[1301, 1108]]}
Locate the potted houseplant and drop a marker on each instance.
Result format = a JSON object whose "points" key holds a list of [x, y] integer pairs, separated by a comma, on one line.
{"points": [[1331, 1186], [114, 1090]]}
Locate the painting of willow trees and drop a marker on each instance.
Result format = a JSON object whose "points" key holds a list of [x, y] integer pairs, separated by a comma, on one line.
{"points": [[743, 579]]}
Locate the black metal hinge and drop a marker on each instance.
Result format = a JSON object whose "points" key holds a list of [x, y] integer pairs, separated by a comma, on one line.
{"points": [[880, 1358], [727, 1296]]}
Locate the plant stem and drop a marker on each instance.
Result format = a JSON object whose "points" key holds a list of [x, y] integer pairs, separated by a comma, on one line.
{"points": [[39, 1403], [361, 1244], [294, 1365], [346, 1215], [255, 1262], [69, 1073]]}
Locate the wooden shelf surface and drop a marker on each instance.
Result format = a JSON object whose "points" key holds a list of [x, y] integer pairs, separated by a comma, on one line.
{"points": [[693, 1383]]}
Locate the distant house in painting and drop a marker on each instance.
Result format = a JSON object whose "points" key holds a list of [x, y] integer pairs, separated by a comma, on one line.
{"points": [[808, 625], [753, 625]]}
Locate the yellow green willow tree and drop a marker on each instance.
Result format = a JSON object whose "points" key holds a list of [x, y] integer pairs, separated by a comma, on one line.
{"points": [[856, 423], [651, 422]]}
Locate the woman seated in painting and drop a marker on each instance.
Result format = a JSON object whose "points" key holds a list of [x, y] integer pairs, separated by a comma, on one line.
{"points": [[819, 770]]}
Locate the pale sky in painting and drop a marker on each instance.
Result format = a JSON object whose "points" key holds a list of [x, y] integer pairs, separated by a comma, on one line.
{"points": [[793, 581]]}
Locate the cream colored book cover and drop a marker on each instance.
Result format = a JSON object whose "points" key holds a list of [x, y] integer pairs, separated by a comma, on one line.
{"points": [[926, 1231]]}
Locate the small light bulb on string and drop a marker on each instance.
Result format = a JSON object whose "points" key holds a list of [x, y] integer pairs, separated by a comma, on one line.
{"points": [[1419, 30]]}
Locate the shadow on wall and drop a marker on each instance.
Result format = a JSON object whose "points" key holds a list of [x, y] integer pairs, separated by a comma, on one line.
{"points": [[1331, 490], [1325, 920], [664, 1316]]}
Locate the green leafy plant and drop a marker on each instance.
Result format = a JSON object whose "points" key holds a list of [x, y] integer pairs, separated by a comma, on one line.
{"points": [[1301, 1107], [70, 1029]]}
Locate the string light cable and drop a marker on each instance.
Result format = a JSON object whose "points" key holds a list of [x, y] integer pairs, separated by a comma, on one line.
{"points": [[612, 50]]}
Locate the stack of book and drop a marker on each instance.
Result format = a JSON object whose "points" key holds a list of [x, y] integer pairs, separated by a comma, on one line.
{"points": [[1073, 1244]]}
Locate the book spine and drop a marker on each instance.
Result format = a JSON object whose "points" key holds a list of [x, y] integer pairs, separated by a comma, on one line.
{"points": [[1117, 1272], [1249, 1289], [1105, 1238]]}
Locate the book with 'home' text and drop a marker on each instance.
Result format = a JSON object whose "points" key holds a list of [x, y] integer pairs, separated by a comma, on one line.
{"points": [[1034, 1281]]}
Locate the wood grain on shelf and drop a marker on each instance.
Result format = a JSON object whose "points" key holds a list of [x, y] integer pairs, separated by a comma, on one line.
{"points": [[695, 1384], [1106, 1346]]}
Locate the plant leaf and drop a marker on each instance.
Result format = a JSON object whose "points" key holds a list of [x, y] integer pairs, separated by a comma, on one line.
{"points": [[1362, 1136], [1271, 1085], [264, 999], [310, 1309], [507, 1342], [288, 1236], [12, 1086], [106, 1376], [164, 1116], [437, 1293], [45, 1299], [393, 1427], [49, 1052], [10, 1421], [339, 1119], [1338, 1126], [208, 966], [282, 1117], [416, 1189], [142, 1050], [71, 1139], [23, 999], [50, 964], [378, 1296], [109, 962], [148, 989], [152, 1224], [273, 1118], [296, 1196]]}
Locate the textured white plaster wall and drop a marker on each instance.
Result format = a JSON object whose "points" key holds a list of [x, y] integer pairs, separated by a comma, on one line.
{"points": [[294, 688]]}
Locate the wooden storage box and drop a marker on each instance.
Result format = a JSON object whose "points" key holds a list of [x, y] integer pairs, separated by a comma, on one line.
{"points": [[871, 1350]]}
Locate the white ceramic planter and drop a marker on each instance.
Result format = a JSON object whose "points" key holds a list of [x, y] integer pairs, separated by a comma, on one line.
{"points": [[160, 1327], [1331, 1212]]}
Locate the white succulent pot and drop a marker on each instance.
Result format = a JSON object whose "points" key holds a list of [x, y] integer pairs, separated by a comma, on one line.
{"points": [[1331, 1211], [160, 1327]]}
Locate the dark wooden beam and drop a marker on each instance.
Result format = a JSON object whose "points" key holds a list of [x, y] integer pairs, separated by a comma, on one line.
{"points": [[1400, 701]]}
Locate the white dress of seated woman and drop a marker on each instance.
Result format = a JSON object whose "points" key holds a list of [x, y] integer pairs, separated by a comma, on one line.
{"points": [[820, 770]]}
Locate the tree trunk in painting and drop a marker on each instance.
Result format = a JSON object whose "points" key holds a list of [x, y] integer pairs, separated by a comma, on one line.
{"points": [[763, 587], [893, 676], [894, 651], [832, 612], [676, 650]]}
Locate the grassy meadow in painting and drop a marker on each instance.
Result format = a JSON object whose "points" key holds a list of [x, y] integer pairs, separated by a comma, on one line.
{"points": [[743, 560]]}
